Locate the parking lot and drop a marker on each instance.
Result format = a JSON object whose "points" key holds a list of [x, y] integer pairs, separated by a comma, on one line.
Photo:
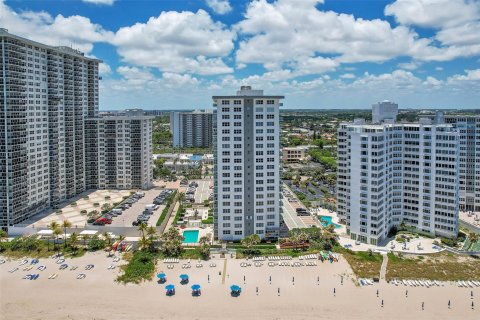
{"points": [[290, 205], [130, 215], [203, 190]]}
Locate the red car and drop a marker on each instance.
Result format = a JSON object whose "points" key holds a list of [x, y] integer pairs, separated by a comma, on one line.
{"points": [[102, 221]]}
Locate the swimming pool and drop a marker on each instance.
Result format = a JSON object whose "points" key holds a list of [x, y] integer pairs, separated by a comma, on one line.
{"points": [[327, 220], [190, 236], [196, 157]]}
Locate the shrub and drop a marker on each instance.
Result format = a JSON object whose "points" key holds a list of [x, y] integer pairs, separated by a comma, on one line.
{"points": [[96, 204], [83, 211], [73, 204]]}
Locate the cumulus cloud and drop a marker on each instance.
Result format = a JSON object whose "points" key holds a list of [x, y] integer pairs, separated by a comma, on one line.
{"points": [[219, 6], [298, 33], [76, 31], [104, 68], [177, 42], [347, 76], [101, 2], [471, 75], [434, 13]]}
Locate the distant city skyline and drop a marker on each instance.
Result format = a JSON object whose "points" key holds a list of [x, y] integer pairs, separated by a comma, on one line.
{"points": [[323, 54]]}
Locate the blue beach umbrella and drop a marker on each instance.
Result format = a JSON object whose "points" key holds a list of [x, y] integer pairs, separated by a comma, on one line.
{"points": [[161, 275], [196, 287], [235, 288], [170, 287], [184, 276]]}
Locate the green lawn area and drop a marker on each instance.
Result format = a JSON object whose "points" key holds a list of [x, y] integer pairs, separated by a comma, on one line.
{"points": [[440, 266]]}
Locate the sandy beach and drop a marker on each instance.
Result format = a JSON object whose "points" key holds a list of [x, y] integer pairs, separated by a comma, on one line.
{"points": [[98, 296]]}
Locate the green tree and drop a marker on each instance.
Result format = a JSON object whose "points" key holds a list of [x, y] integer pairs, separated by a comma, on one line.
{"points": [[204, 247], [3, 235], [250, 241], [172, 242], [56, 233], [142, 227], [85, 237], [65, 224], [473, 238], [144, 242], [74, 241]]}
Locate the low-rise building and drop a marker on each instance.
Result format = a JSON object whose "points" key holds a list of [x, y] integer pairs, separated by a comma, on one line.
{"points": [[295, 154]]}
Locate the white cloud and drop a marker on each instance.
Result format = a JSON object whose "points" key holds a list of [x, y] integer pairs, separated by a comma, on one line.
{"points": [[409, 65], [104, 68], [297, 33], [347, 76], [439, 68], [219, 6], [76, 31], [100, 2], [471, 75], [434, 13], [177, 42]]}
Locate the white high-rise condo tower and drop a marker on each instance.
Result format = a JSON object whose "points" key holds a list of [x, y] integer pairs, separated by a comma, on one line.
{"points": [[392, 174], [247, 165], [469, 130], [49, 152], [46, 92]]}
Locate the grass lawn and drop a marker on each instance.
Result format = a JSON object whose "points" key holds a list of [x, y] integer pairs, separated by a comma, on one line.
{"points": [[440, 266], [364, 264]]}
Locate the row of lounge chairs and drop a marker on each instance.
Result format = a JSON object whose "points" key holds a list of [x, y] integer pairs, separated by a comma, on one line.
{"points": [[417, 283], [258, 259], [366, 282], [278, 258], [308, 257], [245, 264], [468, 284], [171, 260]]}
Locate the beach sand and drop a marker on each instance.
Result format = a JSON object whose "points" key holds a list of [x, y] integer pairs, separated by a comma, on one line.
{"points": [[98, 296]]}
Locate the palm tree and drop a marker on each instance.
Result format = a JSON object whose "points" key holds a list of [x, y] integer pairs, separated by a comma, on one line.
{"points": [[142, 227], [53, 225], [108, 238], [65, 224], [85, 237], [250, 241], [152, 236], [121, 237], [204, 246], [73, 241], [56, 233], [144, 242], [473, 238]]}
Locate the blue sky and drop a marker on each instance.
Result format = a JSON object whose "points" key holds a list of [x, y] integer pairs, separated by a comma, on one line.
{"points": [[174, 54]]}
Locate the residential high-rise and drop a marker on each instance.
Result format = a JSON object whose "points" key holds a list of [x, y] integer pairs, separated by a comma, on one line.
{"points": [[384, 111], [119, 151], [191, 129], [397, 173], [469, 131], [46, 92], [49, 151], [247, 195]]}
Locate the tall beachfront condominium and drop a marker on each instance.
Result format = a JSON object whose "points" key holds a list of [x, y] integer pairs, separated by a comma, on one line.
{"points": [[191, 129], [46, 92], [469, 130], [46, 95], [392, 174], [247, 165], [118, 151]]}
